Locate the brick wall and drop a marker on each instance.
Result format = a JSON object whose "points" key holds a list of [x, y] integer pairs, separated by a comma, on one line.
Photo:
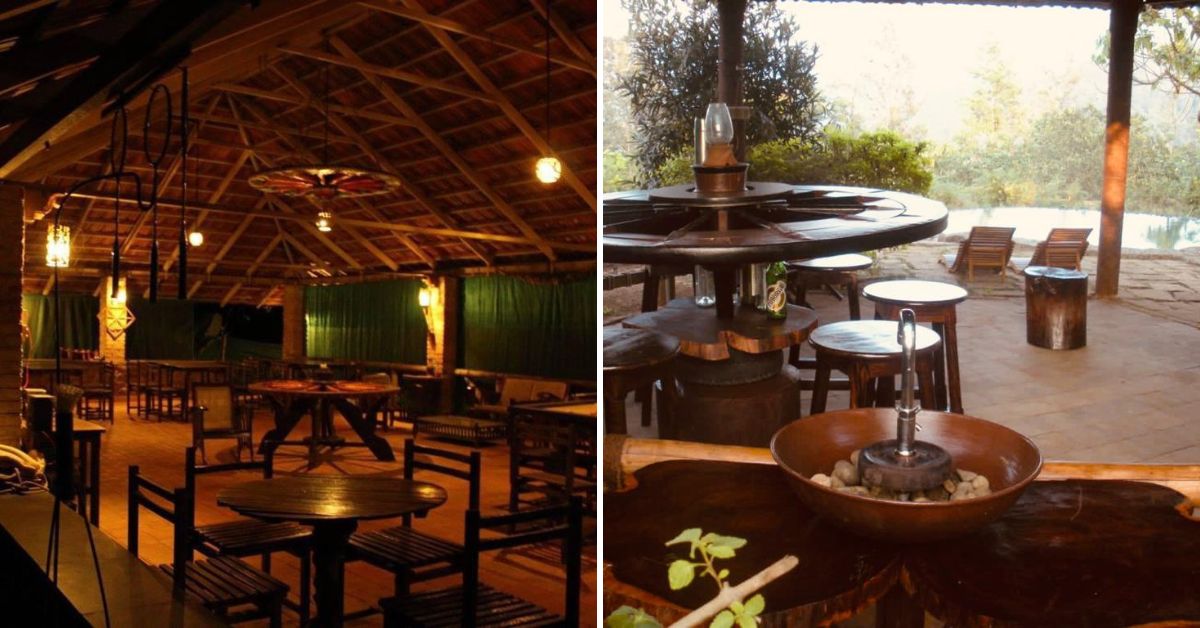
{"points": [[12, 257], [441, 344], [112, 349]]}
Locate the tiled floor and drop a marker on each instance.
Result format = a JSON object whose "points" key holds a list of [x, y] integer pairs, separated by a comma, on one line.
{"points": [[1130, 396], [158, 449]]}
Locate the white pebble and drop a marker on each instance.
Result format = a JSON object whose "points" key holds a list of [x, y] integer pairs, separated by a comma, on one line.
{"points": [[854, 457], [855, 490], [949, 485], [966, 476], [845, 471], [821, 479], [836, 482], [980, 482]]}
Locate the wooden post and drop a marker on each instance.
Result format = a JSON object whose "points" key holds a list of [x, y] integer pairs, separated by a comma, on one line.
{"points": [[441, 343], [293, 322], [731, 15], [12, 260], [113, 349], [1122, 27]]}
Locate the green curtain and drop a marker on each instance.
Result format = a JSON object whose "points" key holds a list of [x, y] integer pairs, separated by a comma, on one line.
{"points": [[366, 321], [163, 330], [80, 327], [514, 325]]}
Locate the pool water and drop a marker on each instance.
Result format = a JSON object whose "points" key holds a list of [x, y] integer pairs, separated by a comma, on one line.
{"points": [[1140, 231]]}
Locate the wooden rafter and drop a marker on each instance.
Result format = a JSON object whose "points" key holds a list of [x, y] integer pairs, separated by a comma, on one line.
{"points": [[506, 105], [277, 96], [446, 24], [382, 70], [565, 34], [266, 252], [445, 149]]}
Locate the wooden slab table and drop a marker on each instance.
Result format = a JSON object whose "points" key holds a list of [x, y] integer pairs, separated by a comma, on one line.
{"points": [[1070, 552], [733, 385]]}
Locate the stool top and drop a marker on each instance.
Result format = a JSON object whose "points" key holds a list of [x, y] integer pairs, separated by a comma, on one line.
{"points": [[849, 261], [915, 292], [869, 339], [630, 349], [1054, 272]]}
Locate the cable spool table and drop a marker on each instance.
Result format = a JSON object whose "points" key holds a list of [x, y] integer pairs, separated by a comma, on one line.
{"points": [[765, 222]]}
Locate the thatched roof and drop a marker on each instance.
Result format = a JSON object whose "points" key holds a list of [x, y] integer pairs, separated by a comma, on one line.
{"points": [[445, 95]]}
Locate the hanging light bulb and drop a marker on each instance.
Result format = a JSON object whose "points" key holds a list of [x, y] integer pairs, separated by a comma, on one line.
{"points": [[324, 222], [196, 238], [548, 169], [58, 246]]}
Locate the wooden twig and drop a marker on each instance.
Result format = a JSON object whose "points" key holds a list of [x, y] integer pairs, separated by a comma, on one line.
{"points": [[729, 595]]}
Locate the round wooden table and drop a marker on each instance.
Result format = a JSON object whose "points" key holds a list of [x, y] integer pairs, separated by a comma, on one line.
{"points": [[292, 399], [333, 505], [633, 358], [936, 303], [865, 350], [835, 270]]}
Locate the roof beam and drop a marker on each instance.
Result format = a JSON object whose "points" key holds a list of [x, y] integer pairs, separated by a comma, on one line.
{"points": [[568, 36], [357, 112], [381, 70], [162, 37], [446, 24], [510, 110], [443, 147], [253, 267]]}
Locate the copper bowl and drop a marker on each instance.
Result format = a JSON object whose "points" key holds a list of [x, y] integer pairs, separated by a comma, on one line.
{"points": [[813, 444]]}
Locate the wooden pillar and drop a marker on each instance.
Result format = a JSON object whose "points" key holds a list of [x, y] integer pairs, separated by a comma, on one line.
{"points": [[441, 343], [293, 322], [12, 260], [731, 15], [114, 310], [1122, 27]]}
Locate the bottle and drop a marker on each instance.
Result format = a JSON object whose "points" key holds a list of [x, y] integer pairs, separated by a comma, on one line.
{"points": [[703, 287], [777, 291]]}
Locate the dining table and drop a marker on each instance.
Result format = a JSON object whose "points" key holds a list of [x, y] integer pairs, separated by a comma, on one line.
{"points": [[333, 505], [1072, 550], [357, 402], [189, 372]]}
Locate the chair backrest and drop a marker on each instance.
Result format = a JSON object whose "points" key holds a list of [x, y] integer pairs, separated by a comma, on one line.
{"points": [[470, 468], [991, 236], [1063, 254], [563, 522], [1069, 234], [518, 389], [266, 463], [540, 436], [217, 405], [173, 505]]}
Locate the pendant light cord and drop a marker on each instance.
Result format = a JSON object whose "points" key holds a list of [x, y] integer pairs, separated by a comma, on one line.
{"points": [[547, 72]]}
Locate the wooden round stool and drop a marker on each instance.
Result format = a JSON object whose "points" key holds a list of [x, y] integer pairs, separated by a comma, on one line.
{"points": [[835, 270], [866, 350], [634, 358], [935, 303]]}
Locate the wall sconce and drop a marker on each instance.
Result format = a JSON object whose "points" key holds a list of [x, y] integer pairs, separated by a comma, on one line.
{"points": [[116, 318], [58, 246], [425, 298]]}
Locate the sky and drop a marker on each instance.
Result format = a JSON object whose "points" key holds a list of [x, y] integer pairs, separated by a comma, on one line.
{"points": [[863, 46]]}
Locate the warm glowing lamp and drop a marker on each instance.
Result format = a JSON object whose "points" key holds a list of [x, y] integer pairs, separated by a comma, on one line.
{"points": [[324, 222], [548, 169], [58, 246], [196, 238], [424, 297], [121, 296]]}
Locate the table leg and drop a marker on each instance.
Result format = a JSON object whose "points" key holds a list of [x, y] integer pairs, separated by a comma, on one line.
{"points": [[94, 480], [81, 491], [939, 368], [852, 294], [614, 412], [329, 562], [286, 418], [951, 345], [364, 427]]}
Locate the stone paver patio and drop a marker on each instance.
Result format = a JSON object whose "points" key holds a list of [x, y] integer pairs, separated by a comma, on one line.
{"points": [[1129, 396]]}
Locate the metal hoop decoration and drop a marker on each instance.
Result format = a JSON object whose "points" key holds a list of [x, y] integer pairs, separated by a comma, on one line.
{"points": [[117, 151], [155, 161]]}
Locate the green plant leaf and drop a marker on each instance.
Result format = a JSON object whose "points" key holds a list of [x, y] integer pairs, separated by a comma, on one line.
{"points": [[724, 619], [680, 574], [747, 622], [736, 607], [690, 535], [629, 617], [723, 574], [755, 605], [720, 551], [731, 542]]}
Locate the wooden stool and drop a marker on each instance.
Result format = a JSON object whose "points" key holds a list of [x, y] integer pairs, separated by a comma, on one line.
{"points": [[1055, 307], [836, 270], [866, 350], [935, 303], [634, 358]]}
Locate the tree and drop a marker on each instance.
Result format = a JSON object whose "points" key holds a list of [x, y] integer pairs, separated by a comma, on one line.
{"points": [[1166, 50], [674, 76], [995, 106]]}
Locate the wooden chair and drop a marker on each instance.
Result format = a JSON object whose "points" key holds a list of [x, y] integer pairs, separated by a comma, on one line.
{"points": [[409, 554], [221, 583], [392, 409], [1064, 247], [985, 247], [547, 458], [244, 536], [163, 392], [216, 415], [99, 389], [476, 604]]}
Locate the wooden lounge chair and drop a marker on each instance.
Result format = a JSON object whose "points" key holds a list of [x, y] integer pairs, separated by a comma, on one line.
{"points": [[985, 247], [1063, 247]]}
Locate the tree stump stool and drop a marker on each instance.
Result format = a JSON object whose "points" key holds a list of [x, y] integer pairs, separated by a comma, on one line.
{"points": [[866, 351], [935, 303], [633, 358], [1055, 307], [833, 271]]}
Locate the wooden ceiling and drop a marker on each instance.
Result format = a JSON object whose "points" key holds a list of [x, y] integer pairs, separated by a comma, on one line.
{"points": [[446, 95]]}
